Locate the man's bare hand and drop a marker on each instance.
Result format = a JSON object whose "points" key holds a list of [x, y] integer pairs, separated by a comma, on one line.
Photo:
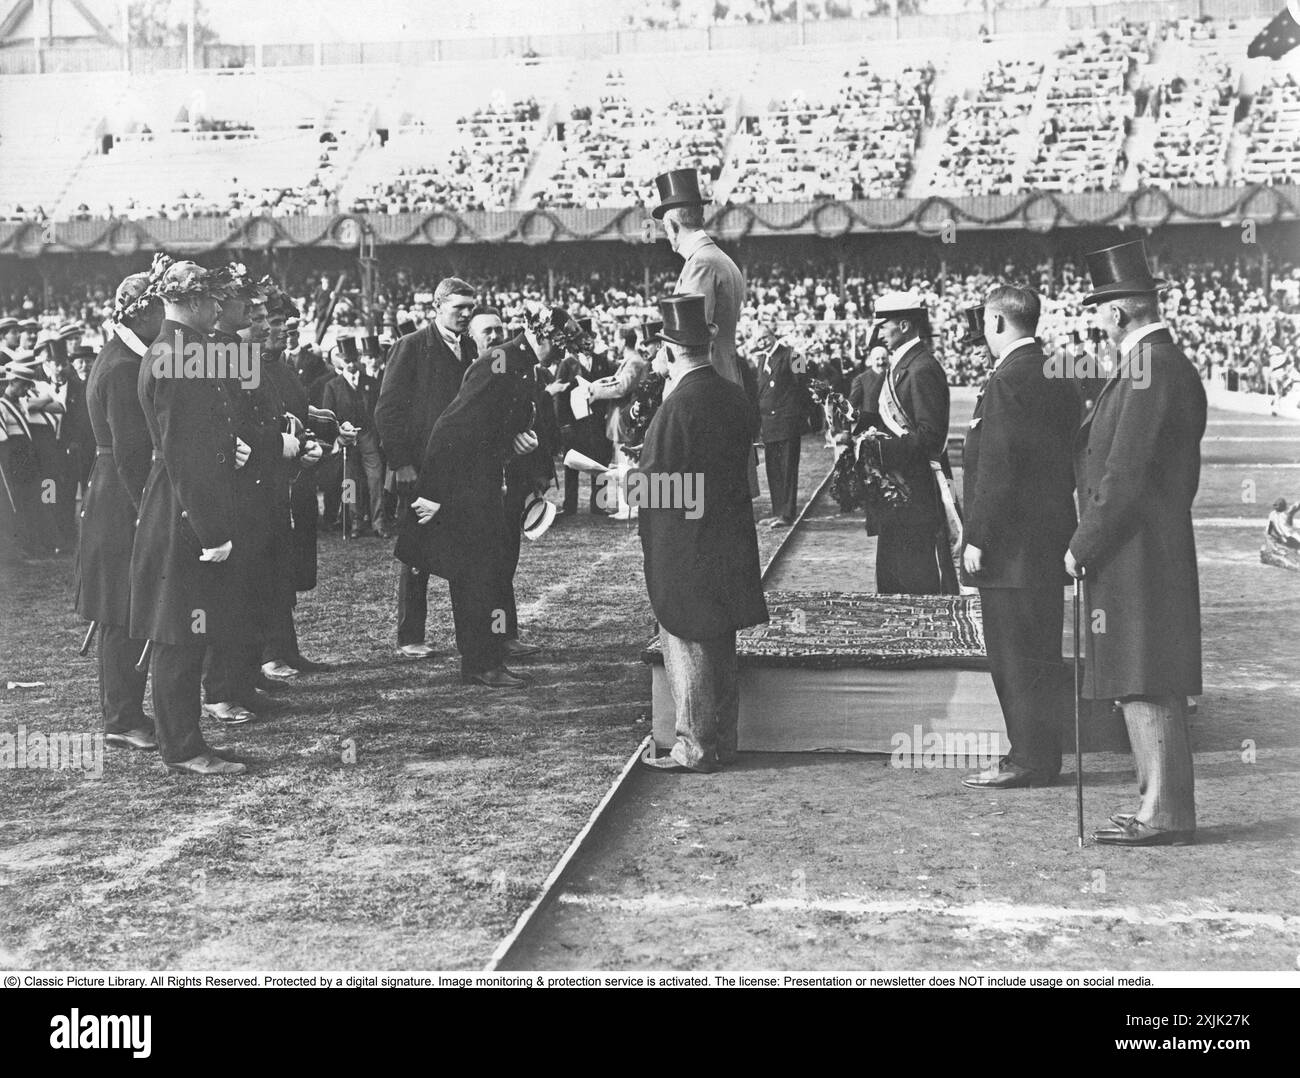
{"points": [[290, 446], [216, 553], [242, 452], [972, 559], [525, 443], [313, 453], [424, 509]]}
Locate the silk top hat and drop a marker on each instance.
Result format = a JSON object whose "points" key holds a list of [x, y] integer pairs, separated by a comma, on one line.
{"points": [[372, 347], [680, 187], [898, 305], [684, 321], [974, 332], [649, 330], [538, 515], [348, 346], [1121, 270], [55, 345], [405, 328]]}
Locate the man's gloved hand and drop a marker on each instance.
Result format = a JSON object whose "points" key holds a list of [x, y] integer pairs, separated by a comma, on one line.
{"points": [[242, 452], [291, 446], [216, 553], [525, 443], [424, 509]]}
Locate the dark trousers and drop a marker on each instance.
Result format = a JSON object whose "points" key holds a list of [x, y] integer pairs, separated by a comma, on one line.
{"points": [[412, 605], [474, 601], [230, 671], [516, 494], [176, 672], [782, 462], [589, 440], [1022, 635], [121, 688], [913, 561], [280, 643]]}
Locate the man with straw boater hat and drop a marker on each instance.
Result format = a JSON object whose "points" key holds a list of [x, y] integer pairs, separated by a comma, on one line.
{"points": [[1137, 460]]}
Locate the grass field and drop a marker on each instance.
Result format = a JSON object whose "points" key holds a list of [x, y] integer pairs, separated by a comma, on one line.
{"points": [[420, 854]]}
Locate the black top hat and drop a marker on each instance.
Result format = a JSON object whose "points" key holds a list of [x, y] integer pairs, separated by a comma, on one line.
{"points": [[680, 187], [584, 324], [372, 347], [684, 320], [974, 332], [405, 327], [348, 346], [1121, 270], [650, 330], [57, 348]]}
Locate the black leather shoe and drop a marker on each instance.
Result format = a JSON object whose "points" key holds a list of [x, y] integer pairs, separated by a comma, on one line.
{"points": [[1006, 776], [1137, 833], [1122, 819], [500, 678], [517, 649]]}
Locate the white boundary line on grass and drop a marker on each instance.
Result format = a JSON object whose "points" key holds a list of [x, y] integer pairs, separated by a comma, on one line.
{"points": [[548, 888]]}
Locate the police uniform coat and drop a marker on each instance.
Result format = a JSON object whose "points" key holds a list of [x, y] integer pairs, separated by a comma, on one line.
{"points": [[702, 574], [188, 505], [117, 480], [1137, 462]]}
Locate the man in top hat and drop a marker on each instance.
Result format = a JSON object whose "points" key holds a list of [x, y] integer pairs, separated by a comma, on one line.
{"points": [[180, 585], [1019, 487], [910, 413], [708, 271], [422, 377], [701, 556], [351, 396], [112, 504], [783, 408], [1137, 460]]}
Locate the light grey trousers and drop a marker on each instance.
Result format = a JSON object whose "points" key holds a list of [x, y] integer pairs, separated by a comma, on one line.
{"points": [[1162, 752], [702, 677]]}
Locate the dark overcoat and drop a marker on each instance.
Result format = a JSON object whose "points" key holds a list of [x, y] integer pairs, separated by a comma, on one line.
{"points": [[1018, 483], [782, 395], [421, 378], [1137, 464], [188, 504], [117, 480], [701, 563]]}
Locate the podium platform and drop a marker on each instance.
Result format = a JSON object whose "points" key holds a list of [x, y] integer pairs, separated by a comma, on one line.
{"points": [[903, 675]]}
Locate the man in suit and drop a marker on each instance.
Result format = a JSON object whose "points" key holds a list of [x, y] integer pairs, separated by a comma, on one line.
{"points": [[910, 412], [1137, 461], [701, 556], [423, 376], [708, 271], [351, 396], [614, 390], [866, 384], [180, 587], [72, 433], [584, 433], [122, 459], [783, 408], [1019, 486]]}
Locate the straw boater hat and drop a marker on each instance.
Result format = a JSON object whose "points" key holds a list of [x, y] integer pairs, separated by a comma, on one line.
{"points": [[538, 515]]}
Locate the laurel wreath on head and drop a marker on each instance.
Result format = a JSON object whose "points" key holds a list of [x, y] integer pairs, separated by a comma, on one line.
{"points": [[129, 305]]}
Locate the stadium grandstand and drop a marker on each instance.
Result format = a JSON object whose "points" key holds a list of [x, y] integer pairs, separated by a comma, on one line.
{"points": [[881, 134]]}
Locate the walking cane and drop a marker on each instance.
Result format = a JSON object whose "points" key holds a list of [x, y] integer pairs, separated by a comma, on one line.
{"points": [[85, 643], [143, 665], [346, 534], [1078, 742]]}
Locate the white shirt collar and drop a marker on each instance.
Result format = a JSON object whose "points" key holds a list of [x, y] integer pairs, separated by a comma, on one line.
{"points": [[697, 240], [452, 340], [1131, 339], [896, 356], [1019, 342], [129, 338]]}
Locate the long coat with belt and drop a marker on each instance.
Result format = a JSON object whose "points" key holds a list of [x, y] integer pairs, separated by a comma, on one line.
{"points": [[711, 272], [782, 395], [188, 504], [921, 387], [1019, 473], [422, 377], [112, 503], [701, 563], [1137, 464]]}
